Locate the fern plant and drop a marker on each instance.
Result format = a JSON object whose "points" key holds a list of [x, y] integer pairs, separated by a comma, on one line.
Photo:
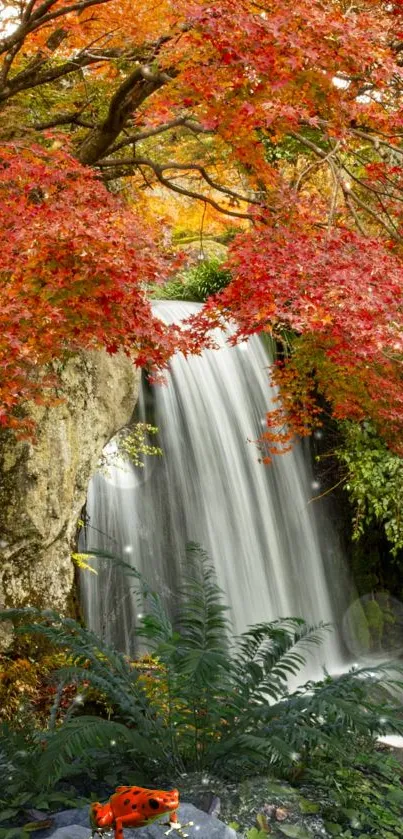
{"points": [[219, 704], [20, 787]]}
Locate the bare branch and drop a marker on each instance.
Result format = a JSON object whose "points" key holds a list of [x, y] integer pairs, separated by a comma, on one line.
{"points": [[379, 220], [64, 119], [310, 145], [376, 141], [205, 175], [354, 213], [313, 165], [371, 188], [333, 204]]}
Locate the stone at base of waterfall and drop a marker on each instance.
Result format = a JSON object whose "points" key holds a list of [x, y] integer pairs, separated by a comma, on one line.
{"points": [[74, 824]]}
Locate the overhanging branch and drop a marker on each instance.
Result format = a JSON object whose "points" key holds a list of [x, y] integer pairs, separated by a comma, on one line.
{"points": [[182, 122], [128, 167], [160, 168]]}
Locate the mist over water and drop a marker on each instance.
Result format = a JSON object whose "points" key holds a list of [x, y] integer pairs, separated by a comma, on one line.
{"points": [[274, 552]]}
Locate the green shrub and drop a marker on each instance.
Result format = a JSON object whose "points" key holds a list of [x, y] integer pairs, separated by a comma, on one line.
{"points": [[374, 481], [197, 283]]}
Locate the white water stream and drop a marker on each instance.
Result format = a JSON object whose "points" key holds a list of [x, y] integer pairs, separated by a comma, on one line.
{"points": [[273, 550]]}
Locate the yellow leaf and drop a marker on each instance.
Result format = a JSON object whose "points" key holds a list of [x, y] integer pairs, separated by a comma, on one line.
{"points": [[81, 561]]}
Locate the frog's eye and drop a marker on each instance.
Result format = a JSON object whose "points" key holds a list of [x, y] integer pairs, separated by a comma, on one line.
{"points": [[153, 803]]}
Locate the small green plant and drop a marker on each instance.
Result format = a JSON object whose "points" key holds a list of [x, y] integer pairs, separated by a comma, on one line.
{"points": [[132, 444], [255, 833]]}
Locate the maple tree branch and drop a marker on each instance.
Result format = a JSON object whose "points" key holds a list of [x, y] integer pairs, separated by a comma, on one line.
{"points": [[7, 63], [161, 168], [333, 205], [354, 213], [371, 188], [376, 141], [384, 176], [40, 11], [365, 207], [205, 175], [145, 179], [64, 119], [137, 162], [183, 122], [28, 9], [133, 91], [52, 43], [387, 225], [310, 145], [36, 76], [40, 17], [313, 165], [387, 213]]}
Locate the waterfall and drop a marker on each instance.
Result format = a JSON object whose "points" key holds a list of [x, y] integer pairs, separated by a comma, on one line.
{"points": [[273, 553]]}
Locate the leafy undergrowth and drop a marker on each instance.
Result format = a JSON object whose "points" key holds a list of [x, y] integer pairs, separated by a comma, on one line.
{"points": [[364, 799], [200, 704], [330, 800]]}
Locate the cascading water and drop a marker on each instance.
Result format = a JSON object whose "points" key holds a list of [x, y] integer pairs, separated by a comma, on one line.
{"points": [[255, 522]]}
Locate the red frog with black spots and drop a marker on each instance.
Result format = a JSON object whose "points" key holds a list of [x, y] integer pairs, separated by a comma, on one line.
{"points": [[135, 807]]}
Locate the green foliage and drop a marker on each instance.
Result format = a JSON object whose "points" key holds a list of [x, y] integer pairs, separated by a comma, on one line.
{"points": [[289, 148], [363, 797], [255, 833], [197, 283], [216, 706], [20, 787], [134, 442], [374, 481]]}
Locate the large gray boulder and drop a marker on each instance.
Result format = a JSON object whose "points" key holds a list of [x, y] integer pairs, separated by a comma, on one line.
{"points": [[74, 824], [43, 483]]}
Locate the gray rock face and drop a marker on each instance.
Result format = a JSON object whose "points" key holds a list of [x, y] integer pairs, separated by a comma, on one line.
{"points": [[43, 484], [74, 824], [74, 831]]}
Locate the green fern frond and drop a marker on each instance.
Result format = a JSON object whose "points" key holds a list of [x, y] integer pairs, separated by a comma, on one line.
{"points": [[156, 625], [76, 737], [203, 647], [268, 653]]}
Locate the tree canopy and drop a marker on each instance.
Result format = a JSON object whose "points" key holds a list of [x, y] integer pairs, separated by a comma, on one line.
{"points": [[284, 119]]}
